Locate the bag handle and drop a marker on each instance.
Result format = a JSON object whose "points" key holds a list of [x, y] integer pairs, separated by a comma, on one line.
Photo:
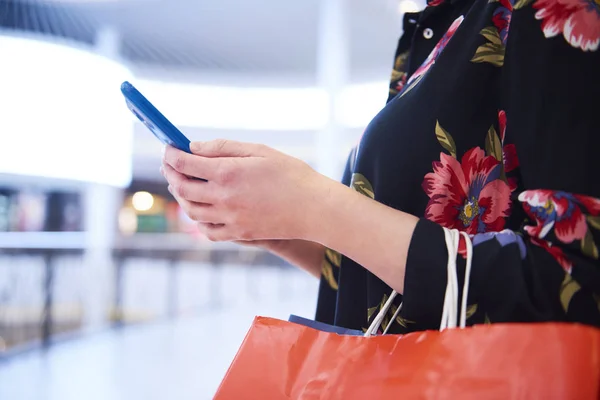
{"points": [[450, 310]]}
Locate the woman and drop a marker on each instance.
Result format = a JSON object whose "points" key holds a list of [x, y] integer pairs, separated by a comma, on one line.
{"points": [[491, 128]]}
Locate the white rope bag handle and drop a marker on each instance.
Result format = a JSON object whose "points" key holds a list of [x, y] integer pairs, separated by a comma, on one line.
{"points": [[450, 310]]}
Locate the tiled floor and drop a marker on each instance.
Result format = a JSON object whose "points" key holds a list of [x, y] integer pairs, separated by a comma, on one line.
{"points": [[181, 359]]}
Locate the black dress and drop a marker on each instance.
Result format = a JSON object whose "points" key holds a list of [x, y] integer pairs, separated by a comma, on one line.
{"points": [[492, 127]]}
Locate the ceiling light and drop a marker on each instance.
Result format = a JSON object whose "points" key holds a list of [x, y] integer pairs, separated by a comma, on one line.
{"points": [[81, 129], [142, 201]]}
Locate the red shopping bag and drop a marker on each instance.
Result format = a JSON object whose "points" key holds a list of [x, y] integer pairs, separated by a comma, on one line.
{"points": [[283, 360]]}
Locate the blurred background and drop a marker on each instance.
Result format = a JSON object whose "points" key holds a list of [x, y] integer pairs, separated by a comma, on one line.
{"points": [[107, 291]]}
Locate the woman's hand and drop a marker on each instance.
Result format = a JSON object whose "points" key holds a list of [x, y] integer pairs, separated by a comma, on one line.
{"points": [[251, 192]]}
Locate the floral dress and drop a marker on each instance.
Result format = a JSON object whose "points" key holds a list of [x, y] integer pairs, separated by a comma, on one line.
{"points": [[492, 127]]}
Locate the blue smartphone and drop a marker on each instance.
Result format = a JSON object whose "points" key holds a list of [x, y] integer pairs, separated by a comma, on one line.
{"points": [[154, 120]]}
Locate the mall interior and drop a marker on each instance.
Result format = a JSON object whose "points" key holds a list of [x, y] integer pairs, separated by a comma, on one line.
{"points": [[107, 289]]}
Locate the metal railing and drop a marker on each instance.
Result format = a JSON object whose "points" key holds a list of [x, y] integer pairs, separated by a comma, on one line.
{"points": [[31, 314]]}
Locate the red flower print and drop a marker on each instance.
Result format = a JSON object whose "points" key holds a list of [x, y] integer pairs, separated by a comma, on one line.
{"points": [[501, 18], [577, 20], [401, 83], [462, 247], [511, 162], [560, 211], [556, 252], [434, 3], [467, 195], [437, 50], [509, 152], [502, 124]]}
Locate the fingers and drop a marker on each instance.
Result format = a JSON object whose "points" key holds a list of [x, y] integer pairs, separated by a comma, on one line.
{"points": [[188, 189], [192, 165], [198, 212], [227, 148], [192, 196]]}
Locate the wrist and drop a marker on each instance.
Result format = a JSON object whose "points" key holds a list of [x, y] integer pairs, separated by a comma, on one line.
{"points": [[325, 209], [372, 234]]}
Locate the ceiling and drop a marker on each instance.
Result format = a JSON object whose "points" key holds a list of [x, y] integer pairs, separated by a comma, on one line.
{"points": [[241, 37]]}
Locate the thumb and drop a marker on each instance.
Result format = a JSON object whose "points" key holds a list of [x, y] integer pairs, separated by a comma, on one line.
{"points": [[226, 148]]}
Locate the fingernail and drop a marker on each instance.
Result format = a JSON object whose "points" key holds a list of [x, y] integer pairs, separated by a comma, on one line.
{"points": [[162, 170], [164, 149], [169, 189]]}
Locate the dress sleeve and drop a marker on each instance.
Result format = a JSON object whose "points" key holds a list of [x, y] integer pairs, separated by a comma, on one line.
{"points": [[548, 269]]}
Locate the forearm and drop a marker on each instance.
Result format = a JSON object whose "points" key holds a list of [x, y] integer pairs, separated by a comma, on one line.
{"points": [[301, 253], [372, 234]]}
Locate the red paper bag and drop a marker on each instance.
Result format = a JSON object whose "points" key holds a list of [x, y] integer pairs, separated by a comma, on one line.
{"points": [[283, 360]]}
